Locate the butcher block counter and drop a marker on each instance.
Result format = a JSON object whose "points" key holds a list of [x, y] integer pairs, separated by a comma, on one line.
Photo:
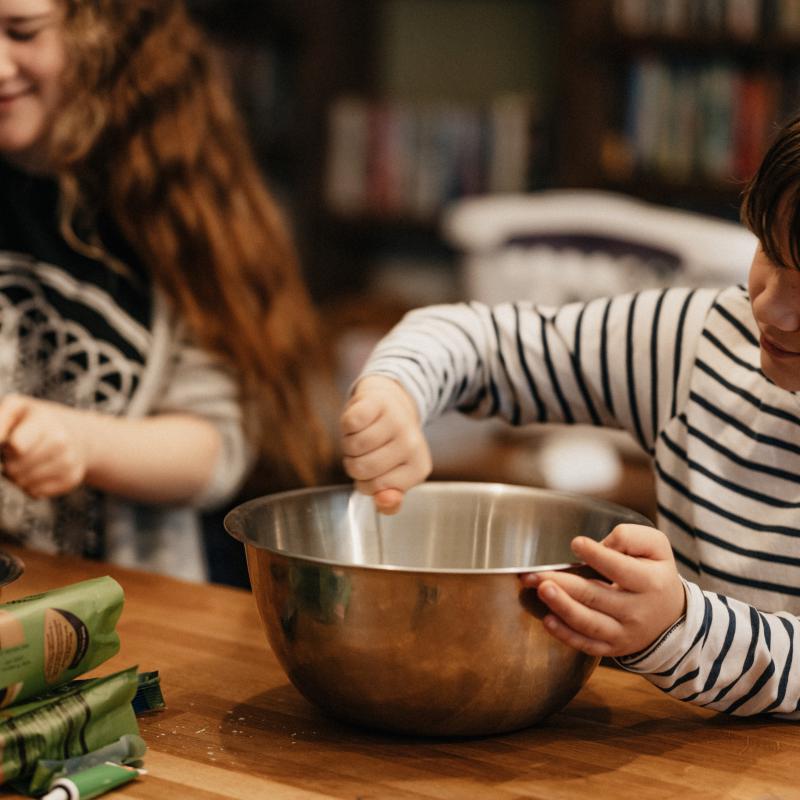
{"points": [[235, 727]]}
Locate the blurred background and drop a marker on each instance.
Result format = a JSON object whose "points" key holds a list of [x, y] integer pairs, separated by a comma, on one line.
{"points": [[434, 150]]}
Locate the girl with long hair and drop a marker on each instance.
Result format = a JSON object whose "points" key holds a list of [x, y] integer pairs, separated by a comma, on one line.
{"points": [[156, 340]]}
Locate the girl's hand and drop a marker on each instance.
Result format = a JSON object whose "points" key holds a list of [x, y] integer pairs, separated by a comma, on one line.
{"points": [[385, 451], [43, 449], [644, 599]]}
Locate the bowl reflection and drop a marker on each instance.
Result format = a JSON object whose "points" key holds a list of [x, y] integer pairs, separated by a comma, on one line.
{"points": [[416, 623]]}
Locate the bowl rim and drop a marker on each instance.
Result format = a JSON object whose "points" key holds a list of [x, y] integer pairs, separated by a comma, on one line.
{"points": [[232, 517]]}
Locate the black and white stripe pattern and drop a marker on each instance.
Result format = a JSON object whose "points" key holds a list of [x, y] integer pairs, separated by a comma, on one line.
{"points": [[678, 369]]}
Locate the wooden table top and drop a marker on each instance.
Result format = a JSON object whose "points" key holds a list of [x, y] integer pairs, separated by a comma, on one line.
{"points": [[236, 728]]}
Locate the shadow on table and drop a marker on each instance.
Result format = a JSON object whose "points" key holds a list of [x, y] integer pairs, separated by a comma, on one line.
{"points": [[280, 735]]}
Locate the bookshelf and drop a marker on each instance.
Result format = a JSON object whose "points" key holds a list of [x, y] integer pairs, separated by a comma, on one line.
{"points": [[458, 106], [369, 115], [675, 100], [288, 60]]}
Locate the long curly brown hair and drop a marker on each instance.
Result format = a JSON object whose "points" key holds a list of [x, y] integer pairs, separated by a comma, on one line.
{"points": [[149, 135]]}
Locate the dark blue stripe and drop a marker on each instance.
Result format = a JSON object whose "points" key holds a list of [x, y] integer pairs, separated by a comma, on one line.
{"points": [[716, 666], [604, 376], [685, 678], [772, 441], [698, 533], [754, 689], [745, 395], [698, 637], [743, 491], [747, 334], [764, 586], [676, 364], [472, 407], [784, 681], [685, 560], [654, 362], [566, 411], [541, 410], [755, 624], [754, 466], [728, 353], [577, 369], [783, 530], [515, 411], [631, 377]]}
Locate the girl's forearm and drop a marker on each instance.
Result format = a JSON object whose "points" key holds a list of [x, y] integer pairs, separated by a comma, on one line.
{"points": [[167, 458]]}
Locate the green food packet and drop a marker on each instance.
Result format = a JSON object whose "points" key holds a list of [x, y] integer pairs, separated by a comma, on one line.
{"points": [[71, 721], [48, 639], [128, 749]]}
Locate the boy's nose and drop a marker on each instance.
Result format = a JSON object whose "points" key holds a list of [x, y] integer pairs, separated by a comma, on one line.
{"points": [[779, 306], [8, 67]]}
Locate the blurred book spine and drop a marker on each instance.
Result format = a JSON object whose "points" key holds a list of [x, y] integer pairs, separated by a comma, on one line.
{"points": [[744, 20], [690, 120], [393, 159]]}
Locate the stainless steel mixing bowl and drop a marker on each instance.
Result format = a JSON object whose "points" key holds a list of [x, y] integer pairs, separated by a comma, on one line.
{"points": [[416, 623]]}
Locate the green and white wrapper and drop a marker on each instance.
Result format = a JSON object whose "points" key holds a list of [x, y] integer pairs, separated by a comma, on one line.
{"points": [[48, 639]]}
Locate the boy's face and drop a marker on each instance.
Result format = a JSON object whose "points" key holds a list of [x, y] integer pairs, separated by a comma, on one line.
{"points": [[775, 300], [32, 60]]}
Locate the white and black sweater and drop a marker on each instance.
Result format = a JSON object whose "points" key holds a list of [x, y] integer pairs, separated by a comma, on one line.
{"points": [[679, 369], [76, 331]]}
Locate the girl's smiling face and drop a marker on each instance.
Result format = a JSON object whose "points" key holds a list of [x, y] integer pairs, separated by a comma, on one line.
{"points": [[32, 61], [775, 300]]}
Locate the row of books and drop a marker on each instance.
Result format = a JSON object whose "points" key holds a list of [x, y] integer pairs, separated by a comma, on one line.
{"points": [[395, 159], [738, 19], [708, 122]]}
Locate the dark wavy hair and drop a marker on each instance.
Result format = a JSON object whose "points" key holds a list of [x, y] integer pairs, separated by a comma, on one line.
{"points": [[148, 134], [771, 200]]}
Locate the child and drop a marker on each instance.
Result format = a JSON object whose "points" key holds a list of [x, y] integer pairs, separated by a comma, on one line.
{"points": [[707, 382], [155, 337]]}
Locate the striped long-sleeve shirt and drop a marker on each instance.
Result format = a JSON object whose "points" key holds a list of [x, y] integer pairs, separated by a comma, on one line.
{"points": [[679, 369]]}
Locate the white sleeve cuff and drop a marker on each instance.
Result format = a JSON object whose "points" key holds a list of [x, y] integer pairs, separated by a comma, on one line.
{"points": [[676, 641]]}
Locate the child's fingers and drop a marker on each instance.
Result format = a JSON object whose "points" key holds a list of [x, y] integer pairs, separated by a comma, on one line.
{"points": [[619, 567], [13, 409], [33, 439], [26, 446], [594, 594], [587, 622], [388, 501], [558, 629], [358, 414], [639, 541], [401, 478], [44, 481], [377, 463], [376, 435]]}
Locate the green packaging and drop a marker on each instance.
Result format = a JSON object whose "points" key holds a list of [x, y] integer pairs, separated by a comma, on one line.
{"points": [[70, 721], [92, 782], [128, 749], [50, 638]]}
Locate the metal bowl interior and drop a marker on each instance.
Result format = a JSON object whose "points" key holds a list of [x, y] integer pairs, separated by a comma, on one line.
{"points": [[443, 527], [417, 623]]}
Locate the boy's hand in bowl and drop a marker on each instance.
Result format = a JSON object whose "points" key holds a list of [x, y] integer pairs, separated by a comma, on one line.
{"points": [[385, 451]]}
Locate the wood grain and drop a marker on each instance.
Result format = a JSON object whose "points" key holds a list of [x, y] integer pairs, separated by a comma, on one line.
{"points": [[235, 727]]}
